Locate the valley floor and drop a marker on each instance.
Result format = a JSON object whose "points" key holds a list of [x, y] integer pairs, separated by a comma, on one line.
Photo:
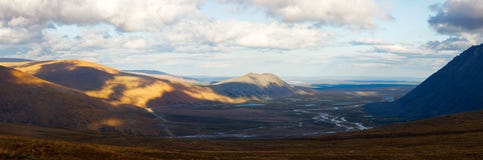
{"points": [[328, 111]]}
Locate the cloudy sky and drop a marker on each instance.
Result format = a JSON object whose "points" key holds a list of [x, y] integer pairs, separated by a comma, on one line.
{"points": [[304, 38]]}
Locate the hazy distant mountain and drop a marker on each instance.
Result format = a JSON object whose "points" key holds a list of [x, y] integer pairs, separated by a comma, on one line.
{"points": [[14, 60], [28, 99], [148, 72], [457, 87], [119, 87], [264, 85], [210, 79], [163, 75]]}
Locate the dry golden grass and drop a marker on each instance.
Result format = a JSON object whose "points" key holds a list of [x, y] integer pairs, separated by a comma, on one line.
{"points": [[451, 146], [462, 138], [24, 148], [135, 91]]}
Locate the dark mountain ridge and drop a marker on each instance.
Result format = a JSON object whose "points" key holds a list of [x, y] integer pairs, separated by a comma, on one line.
{"points": [[457, 87], [14, 60], [156, 72]]}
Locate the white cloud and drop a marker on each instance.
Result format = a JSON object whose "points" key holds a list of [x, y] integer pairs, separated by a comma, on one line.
{"points": [[35, 52], [128, 15], [175, 24], [214, 65], [449, 44], [382, 46], [462, 20], [18, 22], [458, 16], [19, 30], [357, 14], [223, 35], [375, 57], [135, 43], [433, 63], [15, 35], [282, 36], [368, 41], [399, 49], [92, 40], [372, 65]]}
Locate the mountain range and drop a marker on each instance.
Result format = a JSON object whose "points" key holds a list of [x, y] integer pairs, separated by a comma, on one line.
{"points": [[86, 96], [120, 87]]}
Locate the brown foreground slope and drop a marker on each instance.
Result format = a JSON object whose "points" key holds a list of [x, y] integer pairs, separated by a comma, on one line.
{"points": [[27, 99], [449, 137]]}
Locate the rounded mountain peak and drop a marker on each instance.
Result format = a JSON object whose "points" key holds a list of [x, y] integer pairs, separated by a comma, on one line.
{"points": [[262, 80]]}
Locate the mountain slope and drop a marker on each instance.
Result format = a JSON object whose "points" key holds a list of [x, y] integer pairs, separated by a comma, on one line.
{"points": [[457, 87], [120, 87], [28, 99], [264, 85]]}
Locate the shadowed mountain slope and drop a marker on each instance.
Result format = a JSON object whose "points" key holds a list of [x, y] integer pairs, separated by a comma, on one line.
{"points": [[255, 85], [28, 99], [457, 87], [162, 75], [120, 87], [14, 60]]}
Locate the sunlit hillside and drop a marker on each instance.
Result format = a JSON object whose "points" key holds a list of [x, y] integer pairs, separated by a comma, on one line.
{"points": [[256, 85], [118, 87], [28, 99]]}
